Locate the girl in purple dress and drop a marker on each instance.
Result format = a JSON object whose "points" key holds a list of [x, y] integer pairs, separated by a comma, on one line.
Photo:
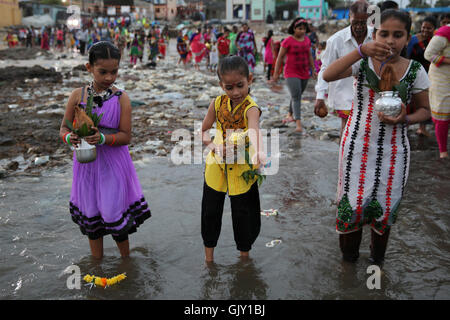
{"points": [[106, 196]]}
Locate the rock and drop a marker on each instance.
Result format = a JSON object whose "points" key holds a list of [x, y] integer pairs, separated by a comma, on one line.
{"points": [[22, 53], [36, 72], [41, 160], [13, 166], [202, 103], [6, 141], [154, 144], [80, 67]]}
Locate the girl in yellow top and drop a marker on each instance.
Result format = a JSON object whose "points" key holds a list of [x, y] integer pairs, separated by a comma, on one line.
{"points": [[234, 111]]}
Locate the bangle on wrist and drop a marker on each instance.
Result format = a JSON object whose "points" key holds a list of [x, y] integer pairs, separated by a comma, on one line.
{"points": [[113, 140], [64, 137], [102, 139], [407, 120], [360, 52], [67, 138]]}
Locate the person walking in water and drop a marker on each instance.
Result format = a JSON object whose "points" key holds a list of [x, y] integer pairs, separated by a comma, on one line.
{"points": [[298, 67], [374, 150], [234, 111], [340, 92], [106, 196]]}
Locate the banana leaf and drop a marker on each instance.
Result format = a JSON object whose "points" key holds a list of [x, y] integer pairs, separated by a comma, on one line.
{"points": [[69, 125]]}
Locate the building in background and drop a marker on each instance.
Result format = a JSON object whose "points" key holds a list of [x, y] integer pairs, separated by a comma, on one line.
{"points": [[251, 10], [10, 14], [215, 9], [314, 10], [165, 9]]}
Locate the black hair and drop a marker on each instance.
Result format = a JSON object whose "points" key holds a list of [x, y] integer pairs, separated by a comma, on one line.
{"points": [[103, 50], [445, 16], [292, 25], [432, 20], [388, 5], [399, 15], [233, 63], [269, 35]]}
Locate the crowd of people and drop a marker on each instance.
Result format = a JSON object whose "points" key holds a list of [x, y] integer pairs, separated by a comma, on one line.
{"points": [[62, 39], [374, 151]]}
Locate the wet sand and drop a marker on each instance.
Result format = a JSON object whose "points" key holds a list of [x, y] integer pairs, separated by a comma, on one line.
{"points": [[39, 240]]}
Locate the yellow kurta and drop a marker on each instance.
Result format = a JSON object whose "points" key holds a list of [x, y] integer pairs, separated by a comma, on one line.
{"points": [[225, 177]]}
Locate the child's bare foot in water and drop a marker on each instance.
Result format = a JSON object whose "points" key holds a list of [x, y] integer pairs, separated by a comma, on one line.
{"points": [[245, 255], [209, 254]]}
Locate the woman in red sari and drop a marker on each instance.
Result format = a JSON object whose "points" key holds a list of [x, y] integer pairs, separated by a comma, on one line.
{"points": [[198, 48], [45, 40]]}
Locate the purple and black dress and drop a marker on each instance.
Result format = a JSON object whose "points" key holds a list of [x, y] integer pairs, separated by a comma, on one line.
{"points": [[106, 196]]}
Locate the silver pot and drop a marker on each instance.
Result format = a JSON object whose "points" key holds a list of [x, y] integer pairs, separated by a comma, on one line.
{"points": [[389, 103], [85, 152]]}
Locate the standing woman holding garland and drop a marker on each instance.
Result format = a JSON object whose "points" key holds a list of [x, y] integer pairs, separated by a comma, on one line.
{"points": [[298, 67]]}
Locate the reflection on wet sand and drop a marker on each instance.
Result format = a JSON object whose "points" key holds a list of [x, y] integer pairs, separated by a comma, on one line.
{"points": [[240, 281]]}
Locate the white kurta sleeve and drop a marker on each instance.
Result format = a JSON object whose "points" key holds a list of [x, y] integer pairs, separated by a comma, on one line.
{"points": [[422, 81], [329, 56], [435, 48]]}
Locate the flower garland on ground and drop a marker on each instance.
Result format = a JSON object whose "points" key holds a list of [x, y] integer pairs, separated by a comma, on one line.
{"points": [[103, 282]]}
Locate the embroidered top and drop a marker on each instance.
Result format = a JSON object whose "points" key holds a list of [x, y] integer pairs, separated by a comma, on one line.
{"points": [[373, 157], [222, 176]]}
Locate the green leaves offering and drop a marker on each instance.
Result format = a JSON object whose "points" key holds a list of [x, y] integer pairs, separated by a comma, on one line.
{"points": [[373, 83], [371, 76], [95, 117], [252, 173], [84, 130], [402, 90]]}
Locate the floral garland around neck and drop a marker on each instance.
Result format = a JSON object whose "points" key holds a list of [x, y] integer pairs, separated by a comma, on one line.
{"points": [[99, 97]]}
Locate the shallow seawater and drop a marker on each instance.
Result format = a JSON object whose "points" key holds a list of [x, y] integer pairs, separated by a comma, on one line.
{"points": [[38, 240]]}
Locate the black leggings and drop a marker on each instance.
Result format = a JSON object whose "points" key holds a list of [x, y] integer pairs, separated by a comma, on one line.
{"points": [[245, 214], [269, 71]]}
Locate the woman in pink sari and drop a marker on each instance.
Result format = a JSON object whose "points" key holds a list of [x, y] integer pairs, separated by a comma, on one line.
{"points": [[198, 48]]}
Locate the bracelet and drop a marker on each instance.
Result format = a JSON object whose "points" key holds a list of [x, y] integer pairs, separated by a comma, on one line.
{"points": [[359, 51], [67, 139], [102, 139], [64, 137], [114, 140], [407, 120]]}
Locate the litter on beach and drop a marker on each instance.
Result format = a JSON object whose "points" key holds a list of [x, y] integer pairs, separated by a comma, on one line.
{"points": [[273, 243], [269, 212]]}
